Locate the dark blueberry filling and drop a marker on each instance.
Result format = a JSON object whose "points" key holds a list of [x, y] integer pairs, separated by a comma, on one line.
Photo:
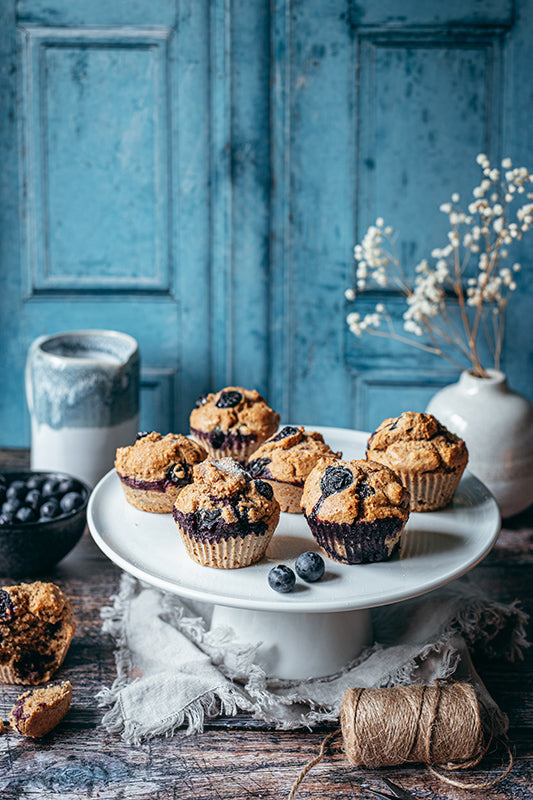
{"points": [[7, 608], [364, 542], [176, 475], [288, 430], [257, 469], [18, 710], [141, 435], [335, 479], [201, 401], [207, 525], [264, 489], [219, 439], [32, 664], [364, 490], [228, 399]]}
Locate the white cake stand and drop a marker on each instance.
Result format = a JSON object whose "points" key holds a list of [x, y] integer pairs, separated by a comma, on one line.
{"points": [[317, 629]]}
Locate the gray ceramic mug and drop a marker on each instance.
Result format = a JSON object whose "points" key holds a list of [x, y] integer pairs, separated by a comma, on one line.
{"points": [[82, 389]]}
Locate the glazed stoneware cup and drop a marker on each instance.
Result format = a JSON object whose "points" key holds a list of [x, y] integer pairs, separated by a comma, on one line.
{"points": [[82, 389]]}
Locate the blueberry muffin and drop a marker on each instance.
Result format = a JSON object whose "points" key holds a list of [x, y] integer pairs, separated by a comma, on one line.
{"points": [[154, 470], [36, 628], [226, 518], [356, 510], [285, 460], [232, 422], [428, 459], [38, 711]]}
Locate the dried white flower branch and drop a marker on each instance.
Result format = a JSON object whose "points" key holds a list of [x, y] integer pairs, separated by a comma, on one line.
{"points": [[482, 235]]}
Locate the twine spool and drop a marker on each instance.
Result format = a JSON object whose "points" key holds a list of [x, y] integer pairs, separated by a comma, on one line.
{"points": [[441, 725]]}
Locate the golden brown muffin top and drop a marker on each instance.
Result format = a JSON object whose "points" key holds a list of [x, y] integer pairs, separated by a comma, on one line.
{"points": [[354, 491], [31, 601], [235, 409], [223, 484], [416, 442], [290, 455], [152, 454]]}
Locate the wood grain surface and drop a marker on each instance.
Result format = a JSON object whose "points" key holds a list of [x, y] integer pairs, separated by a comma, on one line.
{"points": [[240, 757]]}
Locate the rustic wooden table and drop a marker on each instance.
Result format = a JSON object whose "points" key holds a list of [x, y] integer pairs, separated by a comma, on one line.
{"points": [[239, 757]]}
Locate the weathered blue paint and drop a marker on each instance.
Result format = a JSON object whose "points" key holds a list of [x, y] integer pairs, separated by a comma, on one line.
{"points": [[197, 173]]}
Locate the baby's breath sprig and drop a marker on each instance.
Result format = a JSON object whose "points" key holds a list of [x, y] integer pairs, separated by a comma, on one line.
{"points": [[481, 236]]}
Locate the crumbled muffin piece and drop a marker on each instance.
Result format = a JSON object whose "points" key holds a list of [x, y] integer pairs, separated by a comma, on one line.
{"points": [[356, 510], [285, 460], [38, 711], [36, 628], [154, 470], [232, 422], [427, 457]]}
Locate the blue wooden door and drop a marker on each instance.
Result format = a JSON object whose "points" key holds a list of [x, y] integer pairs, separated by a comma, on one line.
{"points": [[197, 173]]}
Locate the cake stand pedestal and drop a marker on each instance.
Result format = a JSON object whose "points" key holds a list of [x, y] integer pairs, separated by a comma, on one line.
{"points": [[320, 627], [299, 646]]}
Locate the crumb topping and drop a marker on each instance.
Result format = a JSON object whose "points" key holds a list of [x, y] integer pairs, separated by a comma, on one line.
{"points": [[354, 491], [290, 457], [416, 442], [151, 456], [235, 409], [222, 484]]}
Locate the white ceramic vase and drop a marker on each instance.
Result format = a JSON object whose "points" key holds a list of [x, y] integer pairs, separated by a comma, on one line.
{"points": [[497, 426]]}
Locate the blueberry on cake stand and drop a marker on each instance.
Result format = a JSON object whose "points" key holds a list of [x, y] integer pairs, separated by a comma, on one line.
{"points": [[319, 627]]}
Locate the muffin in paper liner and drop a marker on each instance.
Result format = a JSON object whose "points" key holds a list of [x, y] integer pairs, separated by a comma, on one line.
{"points": [[356, 510], [231, 553], [232, 422], [286, 459], [225, 517], [430, 491], [428, 458]]}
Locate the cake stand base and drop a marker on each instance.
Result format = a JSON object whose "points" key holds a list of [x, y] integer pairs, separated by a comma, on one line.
{"points": [[297, 646]]}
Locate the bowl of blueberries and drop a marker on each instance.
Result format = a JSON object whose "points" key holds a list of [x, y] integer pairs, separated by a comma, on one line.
{"points": [[42, 517]]}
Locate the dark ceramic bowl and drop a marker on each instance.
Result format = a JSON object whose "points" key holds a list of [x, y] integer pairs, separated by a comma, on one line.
{"points": [[33, 548]]}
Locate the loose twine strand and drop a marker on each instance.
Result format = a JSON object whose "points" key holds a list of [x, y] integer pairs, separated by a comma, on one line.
{"points": [[441, 726]]}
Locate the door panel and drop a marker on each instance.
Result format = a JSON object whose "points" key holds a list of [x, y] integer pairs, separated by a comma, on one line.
{"points": [[197, 174]]}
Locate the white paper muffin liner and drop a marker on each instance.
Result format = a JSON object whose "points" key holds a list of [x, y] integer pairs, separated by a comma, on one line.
{"points": [[430, 491]]}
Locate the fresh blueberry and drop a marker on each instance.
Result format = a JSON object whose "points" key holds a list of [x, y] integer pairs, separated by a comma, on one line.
{"points": [[70, 501], [33, 499], [179, 473], [25, 514], [35, 482], [50, 487], [67, 485], [281, 579], [11, 506], [16, 490], [310, 566], [6, 518], [264, 489], [228, 399], [335, 479], [288, 430], [2, 494], [201, 401], [50, 509]]}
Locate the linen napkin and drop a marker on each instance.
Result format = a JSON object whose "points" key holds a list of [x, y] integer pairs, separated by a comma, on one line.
{"points": [[173, 671]]}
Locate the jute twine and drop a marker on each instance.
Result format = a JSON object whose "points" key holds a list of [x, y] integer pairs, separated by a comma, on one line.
{"points": [[443, 725]]}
